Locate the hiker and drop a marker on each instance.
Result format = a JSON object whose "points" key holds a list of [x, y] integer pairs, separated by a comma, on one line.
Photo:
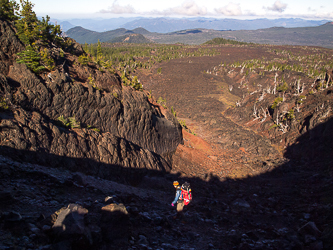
{"points": [[178, 193], [183, 196]]}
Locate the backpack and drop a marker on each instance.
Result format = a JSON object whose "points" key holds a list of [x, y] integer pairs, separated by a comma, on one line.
{"points": [[186, 194]]}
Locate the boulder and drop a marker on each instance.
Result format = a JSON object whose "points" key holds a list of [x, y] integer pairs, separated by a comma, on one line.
{"points": [[310, 228], [69, 227], [241, 203]]}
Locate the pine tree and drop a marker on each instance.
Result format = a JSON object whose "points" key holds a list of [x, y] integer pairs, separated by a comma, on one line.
{"points": [[8, 9], [91, 50], [33, 32], [44, 30], [99, 50], [85, 47], [49, 32], [27, 24]]}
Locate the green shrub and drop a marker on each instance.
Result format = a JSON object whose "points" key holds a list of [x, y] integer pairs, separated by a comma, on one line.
{"points": [[273, 126], [217, 41], [47, 59], [136, 84], [93, 128], [276, 102], [3, 104], [31, 58], [282, 87], [115, 94], [84, 59], [92, 82], [69, 123], [64, 122], [162, 102], [183, 124], [150, 95], [173, 111], [301, 98], [124, 79], [291, 115], [61, 53], [73, 123]]}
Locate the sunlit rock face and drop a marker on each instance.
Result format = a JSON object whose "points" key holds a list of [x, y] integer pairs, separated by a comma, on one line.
{"points": [[116, 127]]}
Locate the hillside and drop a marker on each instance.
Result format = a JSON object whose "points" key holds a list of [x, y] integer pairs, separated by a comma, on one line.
{"points": [[235, 130], [132, 38], [307, 36], [90, 144], [82, 35]]}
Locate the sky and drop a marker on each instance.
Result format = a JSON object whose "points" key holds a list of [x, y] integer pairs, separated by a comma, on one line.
{"points": [[240, 9]]}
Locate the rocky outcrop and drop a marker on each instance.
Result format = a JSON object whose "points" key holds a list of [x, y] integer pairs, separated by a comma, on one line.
{"points": [[126, 113], [9, 44], [132, 132], [69, 229], [30, 137]]}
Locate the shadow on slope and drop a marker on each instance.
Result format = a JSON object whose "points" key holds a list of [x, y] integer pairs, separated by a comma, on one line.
{"points": [[114, 172], [315, 146], [287, 208]]}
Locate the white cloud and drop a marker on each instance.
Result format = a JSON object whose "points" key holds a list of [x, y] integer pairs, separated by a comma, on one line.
{"points": [[188, 8], [230, 10], [191, 8], [118, 9], [326, 15], [277, 6]]}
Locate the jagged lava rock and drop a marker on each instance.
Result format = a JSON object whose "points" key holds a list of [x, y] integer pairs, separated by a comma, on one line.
{"points": [[134, 133]]}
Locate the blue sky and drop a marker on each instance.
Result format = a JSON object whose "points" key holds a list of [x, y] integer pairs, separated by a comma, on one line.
{"points": [[241, 9]]}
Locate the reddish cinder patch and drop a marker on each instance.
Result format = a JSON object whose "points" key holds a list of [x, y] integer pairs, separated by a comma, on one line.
{"points": [[243, 150], [197, 143]]}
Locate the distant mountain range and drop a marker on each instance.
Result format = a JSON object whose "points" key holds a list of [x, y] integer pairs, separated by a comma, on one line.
{"points": [[82, 35], [166, 25], [98, 25], [308, 36]]}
